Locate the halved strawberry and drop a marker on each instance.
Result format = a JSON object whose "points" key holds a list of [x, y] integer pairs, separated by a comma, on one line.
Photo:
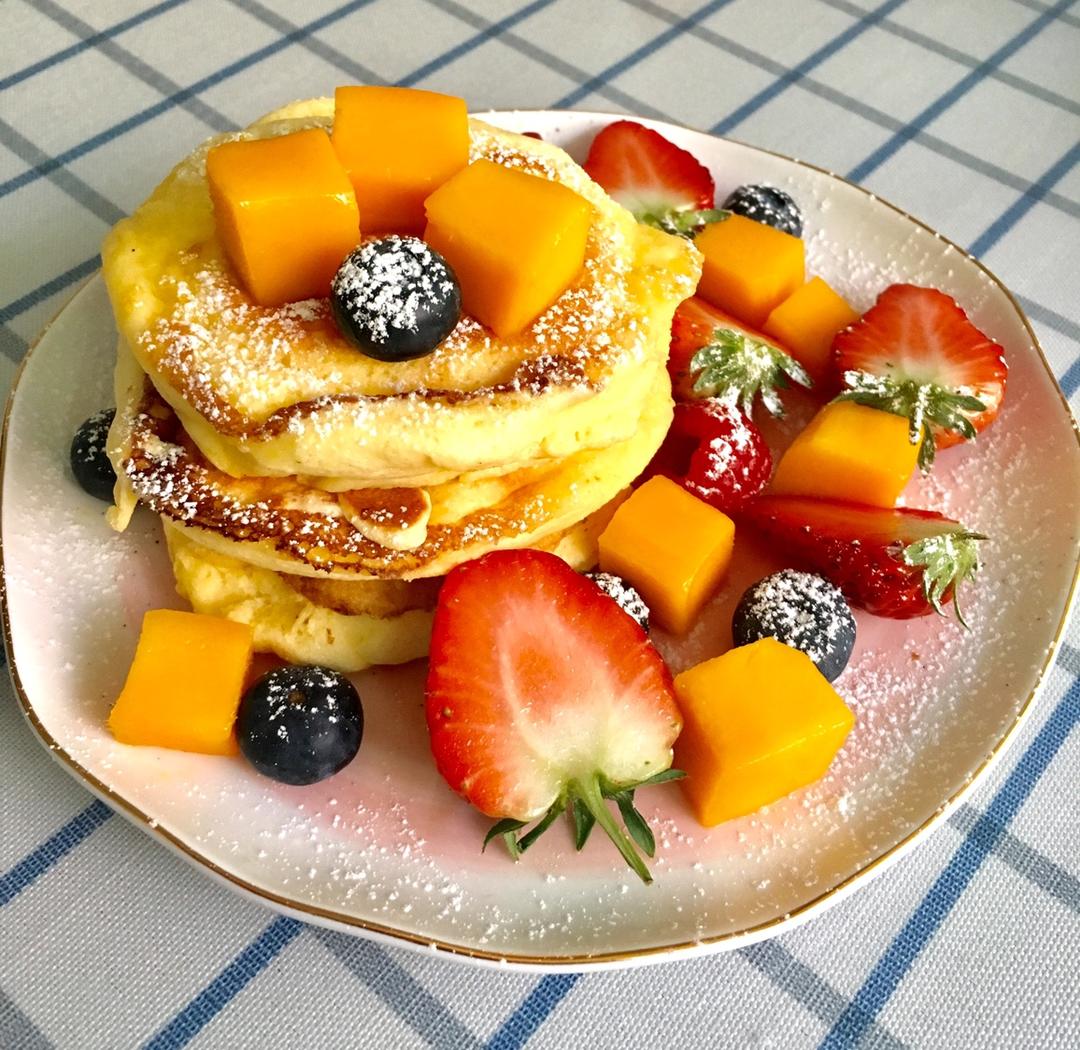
{"points": [[915, 353], [716, 453], [660, 183], [895, 562], [713, 355], [543, 696]]}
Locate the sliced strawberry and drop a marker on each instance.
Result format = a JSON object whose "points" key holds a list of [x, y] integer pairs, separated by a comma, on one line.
{"points": [[661, 184], [716, 453], [543, 696], [896, 562], [915, 353], [713, 355]]}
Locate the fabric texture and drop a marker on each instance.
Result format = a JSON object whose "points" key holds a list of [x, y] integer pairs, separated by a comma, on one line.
{"points": [[966, 114]]}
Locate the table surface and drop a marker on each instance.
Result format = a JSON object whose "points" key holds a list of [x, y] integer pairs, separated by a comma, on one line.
{"points": [[965, 113]]}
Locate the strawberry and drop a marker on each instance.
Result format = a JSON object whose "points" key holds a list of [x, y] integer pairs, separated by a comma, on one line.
{"points": [[543, 696], [661, 184], [915, 353], [716, 453], [713, 355], [895, 562]]}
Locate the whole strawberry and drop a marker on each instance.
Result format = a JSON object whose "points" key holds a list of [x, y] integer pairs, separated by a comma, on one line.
{"points": [[715, 452], [543, 697], [896, 562], [915, 353]]}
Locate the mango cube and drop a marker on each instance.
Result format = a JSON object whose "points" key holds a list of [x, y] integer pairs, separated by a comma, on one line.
{"points": [[806, 322], [671, 546], [398, 146], [515, 241], [849, 452], [185, 683], [749, 267], [759, 722], [286, 213]]}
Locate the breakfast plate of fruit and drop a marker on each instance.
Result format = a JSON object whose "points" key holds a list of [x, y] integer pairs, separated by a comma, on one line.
{"points": [[549, 539]]}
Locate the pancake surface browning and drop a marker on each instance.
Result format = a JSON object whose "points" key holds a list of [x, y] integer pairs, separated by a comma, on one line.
{"points": [[321, 495], [279, 391]]}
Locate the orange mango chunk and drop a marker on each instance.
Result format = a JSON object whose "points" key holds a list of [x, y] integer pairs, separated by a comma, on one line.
{"points": [[806, 322], [398, 146], [286, 213], [849, 452], [749, 267], [185, 683], [515, 241], [759, 722], [671, 546]]}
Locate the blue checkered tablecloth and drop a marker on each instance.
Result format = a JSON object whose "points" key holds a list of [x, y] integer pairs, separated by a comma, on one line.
{"points": [[964, 112]]}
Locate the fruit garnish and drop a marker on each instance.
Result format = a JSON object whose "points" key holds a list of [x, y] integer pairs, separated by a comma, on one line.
{"points": [[915, 353], [395, 298], [768, 205], [802, 610], [543, 697], [897, 562], [715, 452], [673, 547], [761, 722], [806, 323], [623, 595], [729, 360], [89, 463], [300, 725], [661, 184]]}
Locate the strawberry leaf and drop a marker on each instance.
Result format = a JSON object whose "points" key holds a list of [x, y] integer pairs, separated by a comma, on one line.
{"points": [[635, 823], [735, 366], [682, 222], [548, 819], [947, 560], [583, 823], [924, 405], [505, 829], [662, 778]]}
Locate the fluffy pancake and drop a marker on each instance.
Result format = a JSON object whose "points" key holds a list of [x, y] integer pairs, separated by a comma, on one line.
{"points": [[287, 525], [278, 392], [348, 626]]}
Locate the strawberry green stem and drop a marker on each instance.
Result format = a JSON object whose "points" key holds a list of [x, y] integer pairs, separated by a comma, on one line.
{"points": [[588, 790]]}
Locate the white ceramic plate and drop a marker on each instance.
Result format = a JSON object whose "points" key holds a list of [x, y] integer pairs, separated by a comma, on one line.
{"points": [[384, 849]]}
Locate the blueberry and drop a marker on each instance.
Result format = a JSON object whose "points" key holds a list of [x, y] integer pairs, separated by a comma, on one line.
{"points": [[801, 610], [300, 725], [395, 298], [623, 595], [769, 205], [89, 464]]}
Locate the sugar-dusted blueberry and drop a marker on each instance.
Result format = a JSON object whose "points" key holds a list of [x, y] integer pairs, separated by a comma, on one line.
{"points": [[89, 464], [801, 610], [395, 298], [299, 725], [769, 205], [623, 595]]}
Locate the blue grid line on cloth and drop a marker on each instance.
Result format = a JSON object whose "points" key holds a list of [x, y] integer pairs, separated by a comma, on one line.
{"points": [[929, 43], [874, 161], [17, 1031], [533, 1011], [55, 847], [132, 64], [812, 61], [63, 55], [137, 119], [674, 31], [857, 106], [312, 44], [49, 288], [232, 980], [1004, 223], [896, 962], [1037, 5], [1070, 381]]}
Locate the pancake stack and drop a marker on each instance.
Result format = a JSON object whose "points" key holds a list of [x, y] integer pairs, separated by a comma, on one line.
{"points": [[320, 494]]}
